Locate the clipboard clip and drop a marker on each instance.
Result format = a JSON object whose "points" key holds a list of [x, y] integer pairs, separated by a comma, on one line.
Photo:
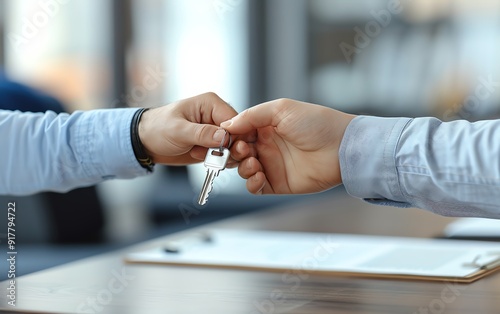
{"points": [[476, 262], [181, 245]]}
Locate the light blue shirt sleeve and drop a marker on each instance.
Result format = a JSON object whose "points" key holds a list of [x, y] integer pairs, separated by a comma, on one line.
{"points": [[50, 152], [450, 168]]}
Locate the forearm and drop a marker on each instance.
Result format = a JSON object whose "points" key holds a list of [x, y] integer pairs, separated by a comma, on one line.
{"points": [[62, 152], [449, 168]]}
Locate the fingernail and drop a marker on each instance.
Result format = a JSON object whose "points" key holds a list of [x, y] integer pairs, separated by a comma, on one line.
{"points": [[259, 192], [219, 135], [226, 124]]}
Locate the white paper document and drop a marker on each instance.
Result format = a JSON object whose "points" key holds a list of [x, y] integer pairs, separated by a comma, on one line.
{"points": [[330, 253]]}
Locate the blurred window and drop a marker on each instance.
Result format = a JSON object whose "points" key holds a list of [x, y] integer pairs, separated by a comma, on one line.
{"points": [[2, 29], [406, 57], [204, 45], [62, 47]]}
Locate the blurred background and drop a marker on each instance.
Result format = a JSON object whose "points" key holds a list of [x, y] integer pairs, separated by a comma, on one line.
{"points": [[389, 58]]}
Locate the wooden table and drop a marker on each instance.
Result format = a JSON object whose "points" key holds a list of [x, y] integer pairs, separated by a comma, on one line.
{"points": [[104, 284]]}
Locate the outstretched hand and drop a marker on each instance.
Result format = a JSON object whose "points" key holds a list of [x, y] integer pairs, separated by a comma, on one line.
{"points": [[295, 147]]}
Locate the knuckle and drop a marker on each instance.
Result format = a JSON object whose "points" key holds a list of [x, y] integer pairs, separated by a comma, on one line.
{"points": [[211, 95], [282, 103], [280, 109], [246, 113], [200, 132]]}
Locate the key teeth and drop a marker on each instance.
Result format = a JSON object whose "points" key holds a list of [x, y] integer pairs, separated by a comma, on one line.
{"points": [[208, 193], [205, 192], [205, 199], [202, 201]]}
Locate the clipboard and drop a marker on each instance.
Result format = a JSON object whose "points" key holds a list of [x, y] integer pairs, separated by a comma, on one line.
{"points": [[330, 254]]}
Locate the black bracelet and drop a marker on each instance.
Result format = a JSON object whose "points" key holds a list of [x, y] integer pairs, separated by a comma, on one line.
{"points": [[139, 151]]}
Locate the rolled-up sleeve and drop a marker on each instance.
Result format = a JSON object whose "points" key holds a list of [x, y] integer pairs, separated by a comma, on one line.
{"points": [[450, 168], [50, 152]]}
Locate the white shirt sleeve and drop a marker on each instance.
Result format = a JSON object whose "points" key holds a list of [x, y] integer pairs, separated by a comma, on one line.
{"points": [[50, 152], [450, 168]]}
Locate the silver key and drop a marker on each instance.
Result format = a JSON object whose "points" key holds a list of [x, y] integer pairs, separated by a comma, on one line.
{"points": [[215, 162]]}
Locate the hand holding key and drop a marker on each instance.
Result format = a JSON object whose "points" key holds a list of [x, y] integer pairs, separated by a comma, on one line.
{"points": [[296, 147], [179, 133]]}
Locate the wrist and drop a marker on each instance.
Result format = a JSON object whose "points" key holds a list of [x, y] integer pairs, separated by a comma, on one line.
{"points": [[342, 121], [140, 152]]}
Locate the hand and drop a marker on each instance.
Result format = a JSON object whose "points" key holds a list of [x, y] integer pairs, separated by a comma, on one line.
{"points": [[296, 147], [179, 133]]}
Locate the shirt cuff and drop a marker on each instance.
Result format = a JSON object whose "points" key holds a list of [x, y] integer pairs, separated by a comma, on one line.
{"points": [[103, 143], [367, 159]]}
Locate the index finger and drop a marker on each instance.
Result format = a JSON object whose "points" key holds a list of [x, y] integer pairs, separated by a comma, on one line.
{"points": [[259, 116]]}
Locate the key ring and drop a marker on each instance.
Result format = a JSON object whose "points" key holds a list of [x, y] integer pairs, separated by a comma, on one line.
{"points": [[221, 146]]}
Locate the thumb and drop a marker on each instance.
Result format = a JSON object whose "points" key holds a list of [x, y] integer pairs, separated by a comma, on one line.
{"points": [[206, 135], [256, 117]]}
